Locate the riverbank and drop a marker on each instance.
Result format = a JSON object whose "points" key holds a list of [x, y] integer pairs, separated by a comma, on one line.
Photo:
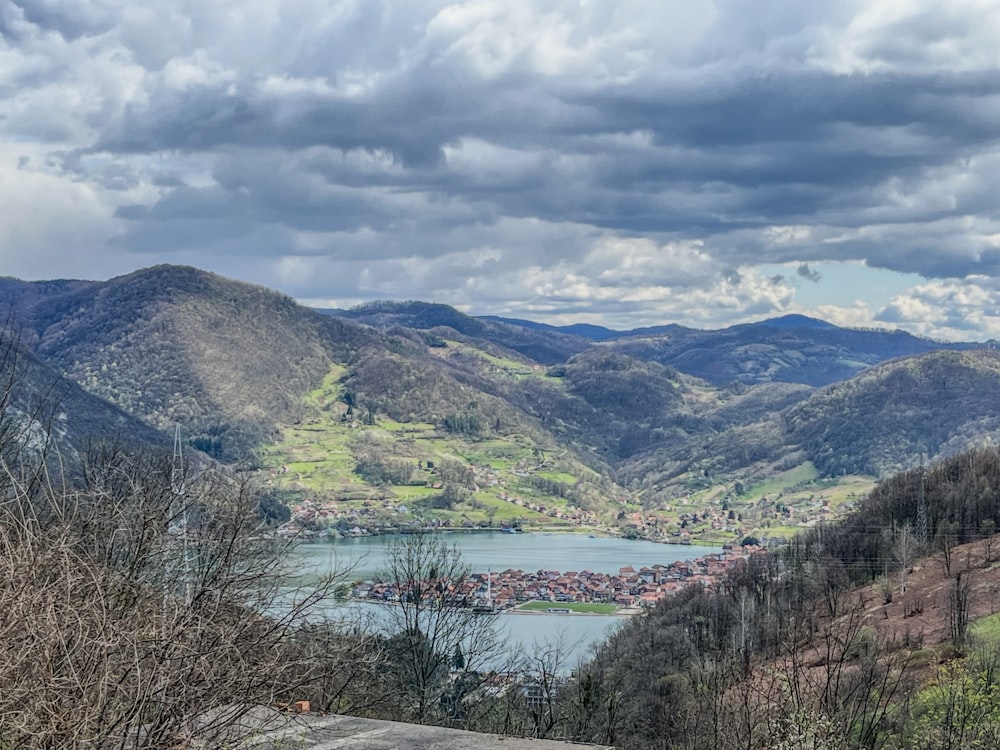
{"points": [[332, 534], [563, 610]]}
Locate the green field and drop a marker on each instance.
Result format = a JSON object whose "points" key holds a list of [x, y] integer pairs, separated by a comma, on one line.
{"points": [[593, 608], [987, 629], [503, 476], [802, 474], [513, 479]]}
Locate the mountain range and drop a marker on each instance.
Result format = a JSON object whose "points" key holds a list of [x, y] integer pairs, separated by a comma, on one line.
{"points": [[647, 414]]}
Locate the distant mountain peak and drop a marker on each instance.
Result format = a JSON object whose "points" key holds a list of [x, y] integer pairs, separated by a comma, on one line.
{"points": [[794, 320]]}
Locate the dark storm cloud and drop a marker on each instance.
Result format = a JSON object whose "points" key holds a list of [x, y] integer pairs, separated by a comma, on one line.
{"points": [[507, 141], [70, 20], [764, 150]]}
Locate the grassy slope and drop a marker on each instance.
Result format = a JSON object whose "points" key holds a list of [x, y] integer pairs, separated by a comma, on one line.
{"points": [[871, 425], [775, 504], [321, 452], [230, 361]]}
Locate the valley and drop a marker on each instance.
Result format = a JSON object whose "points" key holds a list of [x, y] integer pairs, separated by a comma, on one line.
{"points": [[350, 473], [499, 375], [840, 458], [400, 414]]}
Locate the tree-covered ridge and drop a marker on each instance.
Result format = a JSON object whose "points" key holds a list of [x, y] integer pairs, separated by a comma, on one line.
{"points": [[881, 421], [178, 345], [234, 362], [792, 350], [546, 347], [877, 422], [822, 643]]}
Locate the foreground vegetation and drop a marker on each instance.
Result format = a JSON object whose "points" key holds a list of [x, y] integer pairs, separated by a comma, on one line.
{"points": [[143, 605]]}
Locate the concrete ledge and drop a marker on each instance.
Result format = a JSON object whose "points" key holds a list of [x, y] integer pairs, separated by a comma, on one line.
{"points": [[270, 729]]}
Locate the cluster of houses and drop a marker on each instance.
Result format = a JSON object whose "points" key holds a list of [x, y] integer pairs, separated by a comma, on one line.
{"points": [[500, 591], [570, 513], [672, 523]]}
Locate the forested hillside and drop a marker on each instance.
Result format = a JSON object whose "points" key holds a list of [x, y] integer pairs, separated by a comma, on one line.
{"points": [[176, 345], [793, 349], [823, 643], [46, 413], [656, 415], [934, 404], [876, 423], [545, 347]]}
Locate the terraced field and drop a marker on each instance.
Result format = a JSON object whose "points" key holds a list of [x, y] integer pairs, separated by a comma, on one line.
{"points": [[457, 479], [378, 471]]}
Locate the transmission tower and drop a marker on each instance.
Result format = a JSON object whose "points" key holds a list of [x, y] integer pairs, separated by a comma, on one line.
{"points": [[922, 530], [179, 515], [177, 465]]}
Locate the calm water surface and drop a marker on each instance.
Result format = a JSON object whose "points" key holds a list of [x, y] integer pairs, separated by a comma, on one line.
{"points": [[365, 557]]}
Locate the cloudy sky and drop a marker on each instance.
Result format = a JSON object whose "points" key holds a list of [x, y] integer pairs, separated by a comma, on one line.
{"points": [[624, 163]]}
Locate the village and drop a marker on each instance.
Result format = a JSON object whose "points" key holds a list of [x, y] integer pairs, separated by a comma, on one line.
{"points": [[315, 518], [628, 589]]}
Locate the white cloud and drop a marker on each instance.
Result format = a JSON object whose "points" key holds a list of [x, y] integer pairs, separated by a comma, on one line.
{"points": [[951, 310], [641, 160], [50, 226]]}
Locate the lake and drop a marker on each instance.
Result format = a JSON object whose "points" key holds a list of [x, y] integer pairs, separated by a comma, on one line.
{"points": [[364, 557]]}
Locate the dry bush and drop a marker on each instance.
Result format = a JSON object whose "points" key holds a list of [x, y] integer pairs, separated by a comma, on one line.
{"points": [[134, 601], [126, 608]]}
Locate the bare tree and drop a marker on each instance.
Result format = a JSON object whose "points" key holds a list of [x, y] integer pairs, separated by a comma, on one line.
{"points": [[128, 610], [947, 540], [440, 643], [528, 700], [342, 667], [989, 529], [958, 610], [543, 675]]}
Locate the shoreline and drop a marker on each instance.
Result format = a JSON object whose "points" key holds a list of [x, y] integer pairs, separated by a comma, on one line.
{"points": [[620, 612], [544, 531], [553, 586]]}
